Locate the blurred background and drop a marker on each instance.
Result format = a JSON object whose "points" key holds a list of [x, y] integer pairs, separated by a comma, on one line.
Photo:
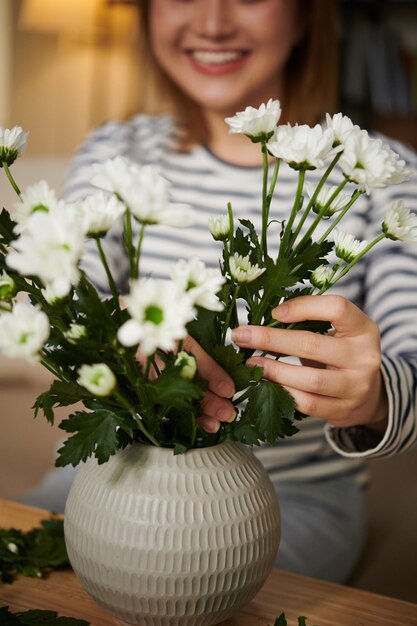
{"points": [[67, 66]]}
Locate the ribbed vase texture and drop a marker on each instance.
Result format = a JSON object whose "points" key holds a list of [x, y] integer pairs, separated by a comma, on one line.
{"points": [[164, 540]]}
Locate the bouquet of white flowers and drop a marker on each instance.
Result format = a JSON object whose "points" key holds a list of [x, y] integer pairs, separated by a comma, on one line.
{"points": [[127, 363]]}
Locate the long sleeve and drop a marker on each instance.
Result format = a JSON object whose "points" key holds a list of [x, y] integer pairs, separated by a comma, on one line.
{"points": [[390, 299]]}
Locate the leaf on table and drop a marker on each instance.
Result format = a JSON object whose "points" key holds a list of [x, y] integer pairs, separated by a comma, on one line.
{"points": [[32, 553], [37, 618]]}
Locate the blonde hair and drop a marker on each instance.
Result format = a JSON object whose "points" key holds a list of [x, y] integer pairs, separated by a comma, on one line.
{"points": [[311, 74]]}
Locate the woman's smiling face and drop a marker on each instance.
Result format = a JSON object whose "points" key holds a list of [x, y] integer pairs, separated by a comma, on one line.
{"points": [[225, 54]]}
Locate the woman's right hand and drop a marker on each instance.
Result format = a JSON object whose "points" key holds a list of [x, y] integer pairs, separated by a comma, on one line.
{"points": [[216, 403]]}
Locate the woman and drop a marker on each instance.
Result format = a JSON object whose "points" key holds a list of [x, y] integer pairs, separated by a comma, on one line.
{"points": [[209, 59]]}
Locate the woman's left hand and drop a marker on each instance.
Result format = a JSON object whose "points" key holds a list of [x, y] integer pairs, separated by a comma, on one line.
{"points": [[340, 377]]}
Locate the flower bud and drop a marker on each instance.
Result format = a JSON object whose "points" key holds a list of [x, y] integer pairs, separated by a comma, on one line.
{"points": [[219, 227], [75, 332], [187, 363], [12, 144], [7, 286], [98, 379]]}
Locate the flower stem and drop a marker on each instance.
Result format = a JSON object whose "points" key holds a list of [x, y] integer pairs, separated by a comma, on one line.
{"points": [[318, 219], [353, 199], [313, 198], [138, 250], [295, 209], [231, 228], [11, 179], [128, 241], [347, 268], [273, 183], [112, 284], [265, 207], [230, 311], [136, 418]]}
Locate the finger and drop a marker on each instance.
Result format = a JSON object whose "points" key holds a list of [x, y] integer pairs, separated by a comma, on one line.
{"points": [[346, 317], [219, 381], [332, 383], [217, 408], [209, 424], [300, 343], [333, 410]]}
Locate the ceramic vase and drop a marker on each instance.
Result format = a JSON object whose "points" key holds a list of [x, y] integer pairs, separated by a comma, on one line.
{"points": [[159, 539]]}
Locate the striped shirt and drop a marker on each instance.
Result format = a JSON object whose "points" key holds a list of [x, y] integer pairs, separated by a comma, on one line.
{"points": [[383, 284]]}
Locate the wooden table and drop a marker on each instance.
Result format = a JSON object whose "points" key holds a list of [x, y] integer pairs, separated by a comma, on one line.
{"points": [[322, 603]]}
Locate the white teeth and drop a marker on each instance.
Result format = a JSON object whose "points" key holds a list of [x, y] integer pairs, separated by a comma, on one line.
{"points": [[207, 57]]}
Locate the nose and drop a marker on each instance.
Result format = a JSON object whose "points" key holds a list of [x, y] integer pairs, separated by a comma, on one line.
{"points": [[213, 19]]}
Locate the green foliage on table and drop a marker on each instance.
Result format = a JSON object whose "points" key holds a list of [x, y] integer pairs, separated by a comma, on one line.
{"points": [[32, 553], [37, 618], [281, 621]]}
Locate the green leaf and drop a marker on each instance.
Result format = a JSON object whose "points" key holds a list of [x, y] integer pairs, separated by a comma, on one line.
{"points": [[316, 326], [245, 430], [34, 552], [204, 329], [281, 621], [7, 618], [310, 257], [6, 228], [171, 391], [242, 243], [96, 432], [59, 394], [253, 236], [272, 409], [233, 362], [41, 618]]}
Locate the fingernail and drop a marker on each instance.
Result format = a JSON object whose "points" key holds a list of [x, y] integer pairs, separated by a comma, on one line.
{"points": [[226, 414], [240, 335], [225, 390], [210, 425], [281, 311], [253, 362]]}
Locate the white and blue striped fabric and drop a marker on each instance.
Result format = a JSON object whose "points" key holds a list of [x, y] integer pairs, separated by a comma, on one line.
{"points": [[384, 284]]}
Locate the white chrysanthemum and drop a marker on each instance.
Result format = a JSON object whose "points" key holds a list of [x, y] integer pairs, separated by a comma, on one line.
{"points": [[400, 223], [75, 332], [36, 197], [99, 212], [370, 163], [337, 204], [242, 270], [258, 124], [160, 312], [322, 277], [50, 248], [200, 284], [13, 143], [347, 247], [98, 379], [302, 146], [148, 197], [114, 174], [187, 363], [341, 126], [7, 286], [144, 191], [23, 331], [219, 227]]}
